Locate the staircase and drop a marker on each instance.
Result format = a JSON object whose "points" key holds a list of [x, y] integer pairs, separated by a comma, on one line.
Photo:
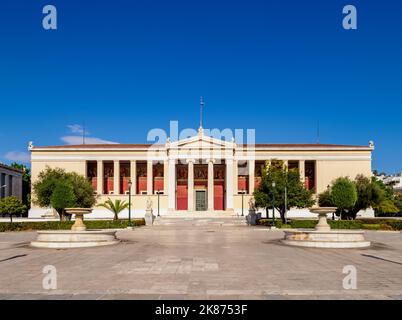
{"points": [[201, 219]]}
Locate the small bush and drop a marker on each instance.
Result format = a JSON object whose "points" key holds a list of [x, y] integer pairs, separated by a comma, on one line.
{"points": [[372, 226], [395, 224], [268, 222], [66, 225]]}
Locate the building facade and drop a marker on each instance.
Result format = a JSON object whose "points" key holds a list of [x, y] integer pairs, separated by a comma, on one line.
{"points": [[197, 174], [10, 182]]}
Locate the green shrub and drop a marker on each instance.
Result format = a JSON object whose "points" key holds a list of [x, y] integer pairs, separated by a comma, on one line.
{"points": [[66, 225], [268, 222], [395, 224], [303, 224], [372, 226], [346, 224]]}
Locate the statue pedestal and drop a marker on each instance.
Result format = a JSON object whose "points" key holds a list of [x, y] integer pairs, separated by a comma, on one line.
{"points": [[149, 217], [252, 217]]}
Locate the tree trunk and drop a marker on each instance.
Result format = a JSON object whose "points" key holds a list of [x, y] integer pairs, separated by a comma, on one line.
{"points": [[282, 213]]}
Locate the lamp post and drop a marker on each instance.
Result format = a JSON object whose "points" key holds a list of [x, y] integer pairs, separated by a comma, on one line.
{"points": [[129, 203], [242, 192], [273, 203], [286, 204], [158, 193]]}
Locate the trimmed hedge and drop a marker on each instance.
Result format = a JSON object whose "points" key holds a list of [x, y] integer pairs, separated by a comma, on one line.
{"points": [[66, 225], [369, 224]]}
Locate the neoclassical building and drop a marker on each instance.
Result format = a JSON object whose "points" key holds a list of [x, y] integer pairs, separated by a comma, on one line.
{"points": [[10, 182], [200, 173]]}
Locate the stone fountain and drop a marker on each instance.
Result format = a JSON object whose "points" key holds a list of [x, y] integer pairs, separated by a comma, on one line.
{"points": [[323, 237], [77, 237]]}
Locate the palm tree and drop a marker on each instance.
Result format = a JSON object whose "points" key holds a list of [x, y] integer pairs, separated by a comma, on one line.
{"points": [[116, 207]]}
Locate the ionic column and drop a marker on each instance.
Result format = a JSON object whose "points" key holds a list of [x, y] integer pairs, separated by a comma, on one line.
{"points": [[149, 177], [251, 176], [302, 170], [190, 187], [7, 190], [172, 185], [211, 184], [236, 177], [133, 176], [99, 177], [165, 176], [116, 177], [229, 184]]}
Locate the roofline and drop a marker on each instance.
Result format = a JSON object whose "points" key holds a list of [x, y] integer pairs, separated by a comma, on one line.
{"points": [[4, 166], [142, 147]]}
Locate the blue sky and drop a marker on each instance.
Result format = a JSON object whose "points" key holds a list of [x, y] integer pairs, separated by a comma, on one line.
{"points": [[126, 67]]}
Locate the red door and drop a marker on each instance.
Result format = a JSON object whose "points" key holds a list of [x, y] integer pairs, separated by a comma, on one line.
{"points": [[181, 194], [219, 196]]}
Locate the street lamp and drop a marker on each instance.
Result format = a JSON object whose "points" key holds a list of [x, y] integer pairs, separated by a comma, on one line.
{"points": [[129, 203], [273, 203], [158, 193], [242, 192]]}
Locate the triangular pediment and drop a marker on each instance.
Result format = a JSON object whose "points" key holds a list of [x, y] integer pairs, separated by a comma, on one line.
{"points": [[201, 141]]}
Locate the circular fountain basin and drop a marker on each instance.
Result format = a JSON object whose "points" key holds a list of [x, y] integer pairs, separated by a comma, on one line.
{"points": [[325, 239], [64, 239]]}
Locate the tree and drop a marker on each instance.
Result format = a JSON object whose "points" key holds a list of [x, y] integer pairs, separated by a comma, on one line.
{"points": [[49, 179], [26, 182], [12, 206], [343, 195], [398, 202], [388, 198], [116, 207], [297, 195], [63, 197]]}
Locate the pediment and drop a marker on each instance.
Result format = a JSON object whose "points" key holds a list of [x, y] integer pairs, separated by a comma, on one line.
{"points": [[201, 141]]}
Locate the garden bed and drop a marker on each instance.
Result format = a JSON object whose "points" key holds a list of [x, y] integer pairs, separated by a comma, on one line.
{"points": [[367, 224], [66, 225]]}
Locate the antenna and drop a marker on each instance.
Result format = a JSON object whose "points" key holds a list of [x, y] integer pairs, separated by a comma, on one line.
{"points": [[318, 131], [202, 103]]}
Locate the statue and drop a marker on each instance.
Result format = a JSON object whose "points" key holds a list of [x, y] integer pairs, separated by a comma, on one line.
{"points": [[251, 205], [149, 204], [149, 217], [252, 216]]}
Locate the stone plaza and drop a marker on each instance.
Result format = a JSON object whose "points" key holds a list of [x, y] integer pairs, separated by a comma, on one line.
{"points": [[201, 258]]}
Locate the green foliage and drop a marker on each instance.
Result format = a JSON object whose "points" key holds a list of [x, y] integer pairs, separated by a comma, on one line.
{"points": [[386, 207], [343, 194], [66, 225], [63, 196], [395, 224], [269, 223], [368, 224], [297, 195], [116, 207], [12, 206], [324, 199], [389, 203], [398, 202], [26, 182], [49, 180]]}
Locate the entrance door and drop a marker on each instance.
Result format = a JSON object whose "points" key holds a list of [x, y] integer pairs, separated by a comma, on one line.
{"points": [[200, 200]]}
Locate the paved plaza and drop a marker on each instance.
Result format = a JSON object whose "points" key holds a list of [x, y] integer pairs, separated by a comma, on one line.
{"points": [[201, 259]]}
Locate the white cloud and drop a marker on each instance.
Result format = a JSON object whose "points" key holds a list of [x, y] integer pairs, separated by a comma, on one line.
{"points": [[76, 128], [88, 140], [18, 156]]}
